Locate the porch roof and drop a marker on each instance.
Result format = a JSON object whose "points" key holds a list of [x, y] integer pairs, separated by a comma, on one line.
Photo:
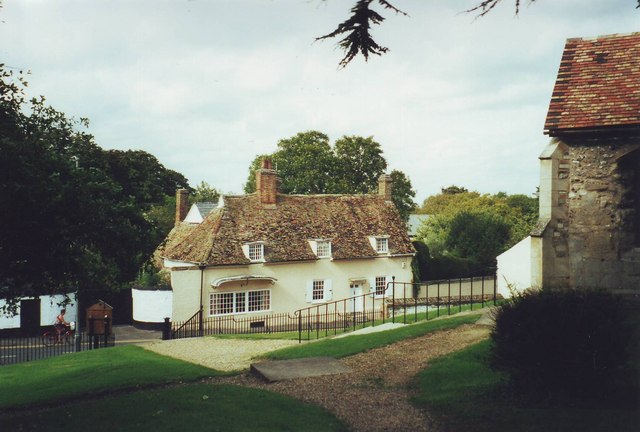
{"points": [[217, 282]]}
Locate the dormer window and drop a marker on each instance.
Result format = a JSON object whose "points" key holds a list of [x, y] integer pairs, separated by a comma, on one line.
{"points": [[382, 245], [254, 251], [323, 249]]}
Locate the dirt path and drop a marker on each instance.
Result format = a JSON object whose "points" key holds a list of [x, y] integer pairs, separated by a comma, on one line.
{"points": [[374, 396]]}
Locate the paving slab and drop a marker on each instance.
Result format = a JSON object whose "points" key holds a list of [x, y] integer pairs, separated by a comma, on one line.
{"points": [[280, 370]]}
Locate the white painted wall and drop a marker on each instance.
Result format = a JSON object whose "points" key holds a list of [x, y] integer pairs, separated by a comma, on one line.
{"points": [[515, 268], [151, 306], [49, 310], [288, 293]]}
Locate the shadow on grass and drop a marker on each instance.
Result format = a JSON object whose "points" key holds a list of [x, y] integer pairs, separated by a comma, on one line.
{"points": [[466, 395], [190, 407]]}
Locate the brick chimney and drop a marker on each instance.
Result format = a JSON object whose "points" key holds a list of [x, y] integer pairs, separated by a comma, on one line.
{"points": [[182, 201], [267, 183], [385, 185]]}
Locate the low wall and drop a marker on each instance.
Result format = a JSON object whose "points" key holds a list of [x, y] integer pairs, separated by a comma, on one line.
{"points": [[49, 310], [515, 268], [151, 306]]}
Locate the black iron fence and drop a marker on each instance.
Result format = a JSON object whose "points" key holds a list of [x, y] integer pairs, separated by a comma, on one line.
{"points": [[400, 302], [51, 343]]}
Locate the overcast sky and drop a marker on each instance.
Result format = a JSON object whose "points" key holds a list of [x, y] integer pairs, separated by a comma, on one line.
{"points": [[207, 85]]}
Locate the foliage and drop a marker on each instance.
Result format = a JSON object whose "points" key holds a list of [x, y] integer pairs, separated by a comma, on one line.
{"points": [[475, 227], [358, 39], [73, 214], [150, 278], [356, 28], [308, 164], [69, 376], [204, 192], [559, 343], [186, 407], [463, 393]]}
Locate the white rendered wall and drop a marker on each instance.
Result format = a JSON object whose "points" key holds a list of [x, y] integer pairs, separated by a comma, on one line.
{"points": [[515, 268], [49, 310], [288, 293], [151, 306]]}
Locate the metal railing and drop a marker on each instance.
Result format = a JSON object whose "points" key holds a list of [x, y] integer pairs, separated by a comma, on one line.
{"points": [[401, 302], [23, 349]]}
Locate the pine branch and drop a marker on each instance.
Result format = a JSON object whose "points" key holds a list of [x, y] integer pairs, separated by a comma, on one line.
{"points": [[358, 39]]}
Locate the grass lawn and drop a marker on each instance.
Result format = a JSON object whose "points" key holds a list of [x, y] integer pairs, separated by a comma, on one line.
{"points": [[88, 372], [468, 396], [409, 318], [190, 407], [343, 347]]}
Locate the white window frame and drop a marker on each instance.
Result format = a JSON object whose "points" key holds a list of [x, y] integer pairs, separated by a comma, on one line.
{"points": [[376, 282], [249, 250], [377, 241], [240, 302], [327, 292], [323, 248], [382, 245], [317, 290]]}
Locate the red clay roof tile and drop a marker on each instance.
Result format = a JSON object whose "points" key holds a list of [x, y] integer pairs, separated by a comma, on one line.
{"points": [[598, 84]]}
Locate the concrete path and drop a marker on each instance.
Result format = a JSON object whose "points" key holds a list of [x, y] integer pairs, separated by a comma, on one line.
{"points": [[279, 370]]}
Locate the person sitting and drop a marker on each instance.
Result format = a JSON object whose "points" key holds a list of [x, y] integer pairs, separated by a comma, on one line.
{"points": [[61, 324]]}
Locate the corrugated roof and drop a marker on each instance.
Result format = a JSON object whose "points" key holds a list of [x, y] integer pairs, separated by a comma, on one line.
{"points": [[598, 84], [348, 220]]}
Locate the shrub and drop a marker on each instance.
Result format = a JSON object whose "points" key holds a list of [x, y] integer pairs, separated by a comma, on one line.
{"points": [[555, 343]]}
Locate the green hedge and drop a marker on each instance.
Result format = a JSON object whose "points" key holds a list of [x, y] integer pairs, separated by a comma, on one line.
{"points": [[573, 342]]}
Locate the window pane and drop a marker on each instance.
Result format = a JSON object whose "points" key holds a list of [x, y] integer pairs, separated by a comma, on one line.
{"points": [[382, 245], [318, 290], [259, 300], [241, 302], [221, 304], [324, 249], [381, 285], [256, 252]]}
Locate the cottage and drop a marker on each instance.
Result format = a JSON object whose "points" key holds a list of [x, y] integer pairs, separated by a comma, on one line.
{"points": [[269, 252], [589, 231]]}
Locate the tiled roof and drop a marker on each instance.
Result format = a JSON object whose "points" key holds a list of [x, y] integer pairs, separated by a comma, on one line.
{"points": [[598, 85], [348, 220]]}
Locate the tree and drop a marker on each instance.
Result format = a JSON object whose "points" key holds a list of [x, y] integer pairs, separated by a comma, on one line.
{"points": [[72, 214], [356, 29], [402, 194], [470, 226], [204, 192], [308, 164], [360, 163]]}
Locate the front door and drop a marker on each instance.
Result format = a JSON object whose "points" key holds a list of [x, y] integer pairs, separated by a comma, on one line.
{"points": [[355, 304], [30, 316]]}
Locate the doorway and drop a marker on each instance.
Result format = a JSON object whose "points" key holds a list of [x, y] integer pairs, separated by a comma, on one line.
{"points": [[30, 316], [356, 304]]}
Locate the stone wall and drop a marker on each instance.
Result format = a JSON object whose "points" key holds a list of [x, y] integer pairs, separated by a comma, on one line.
{"points": [[592, 233]]}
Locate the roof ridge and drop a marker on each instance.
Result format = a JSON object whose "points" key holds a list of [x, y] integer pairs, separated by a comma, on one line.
{"points": [[608, 36]]}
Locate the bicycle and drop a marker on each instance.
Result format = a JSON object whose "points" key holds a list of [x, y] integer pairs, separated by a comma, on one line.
{"points": [[51, 336]]}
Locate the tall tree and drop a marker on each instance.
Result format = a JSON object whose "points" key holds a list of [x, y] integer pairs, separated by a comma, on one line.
{"points": [[308, 164], [72, 214], [360, 163]]}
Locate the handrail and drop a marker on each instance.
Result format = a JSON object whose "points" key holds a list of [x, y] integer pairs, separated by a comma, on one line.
{"points": [[343, 314], [198, 315]]}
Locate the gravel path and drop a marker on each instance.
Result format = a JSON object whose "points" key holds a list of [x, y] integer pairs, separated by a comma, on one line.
{"points": [[219, 354], [375, 395]]}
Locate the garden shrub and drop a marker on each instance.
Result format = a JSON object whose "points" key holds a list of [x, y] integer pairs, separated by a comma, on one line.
{"points": [[572, 343]]}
